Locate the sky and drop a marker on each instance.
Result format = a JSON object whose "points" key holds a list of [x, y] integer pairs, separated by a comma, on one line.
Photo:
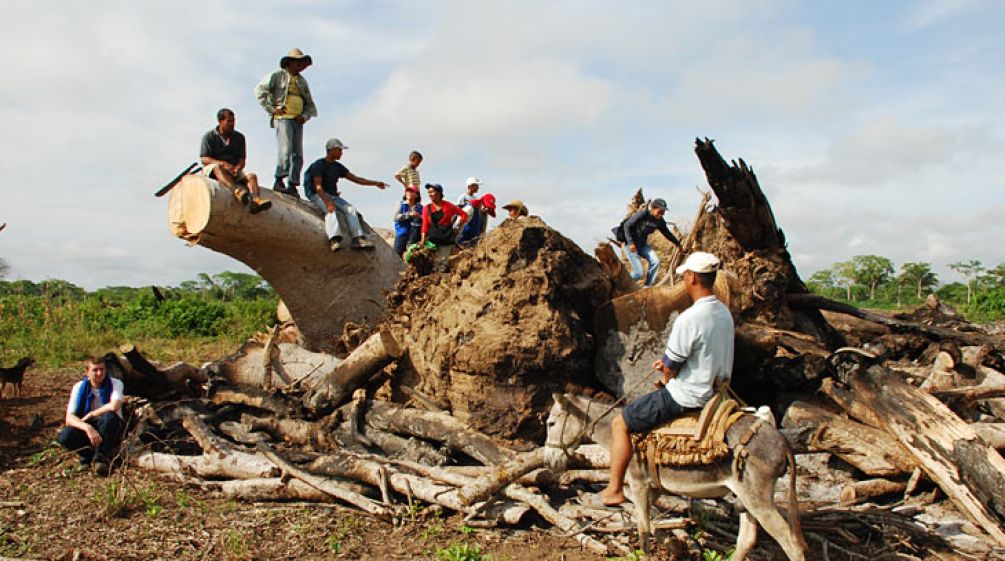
{"points": [[873, 127]]}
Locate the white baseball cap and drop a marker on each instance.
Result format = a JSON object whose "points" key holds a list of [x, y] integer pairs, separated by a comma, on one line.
{"points": [[334, 143], [699, 262], [473, 181]]}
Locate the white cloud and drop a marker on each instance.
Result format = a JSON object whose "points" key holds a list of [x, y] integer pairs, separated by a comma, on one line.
{"points": [[570, 106]]}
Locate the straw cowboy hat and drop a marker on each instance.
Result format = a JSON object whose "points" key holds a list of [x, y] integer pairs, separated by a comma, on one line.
{"points": [[295, 54]]}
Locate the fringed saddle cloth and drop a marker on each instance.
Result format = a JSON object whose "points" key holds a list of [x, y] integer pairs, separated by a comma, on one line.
{"points": [[696, 439]]}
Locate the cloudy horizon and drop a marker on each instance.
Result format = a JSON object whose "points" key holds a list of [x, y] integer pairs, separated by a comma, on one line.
{"points": [[873, 128]]}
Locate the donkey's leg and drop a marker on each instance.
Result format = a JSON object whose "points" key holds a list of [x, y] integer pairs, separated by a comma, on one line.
{"points": [[756, 492], [638, 487], [747, 536]]}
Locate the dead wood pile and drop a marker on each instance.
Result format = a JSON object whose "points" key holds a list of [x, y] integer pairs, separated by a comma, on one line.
{"points": [[896, 437]]}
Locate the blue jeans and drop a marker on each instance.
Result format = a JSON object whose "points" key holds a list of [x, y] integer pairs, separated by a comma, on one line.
{"points": [[332, 227], [649, 254], [290, 137]]}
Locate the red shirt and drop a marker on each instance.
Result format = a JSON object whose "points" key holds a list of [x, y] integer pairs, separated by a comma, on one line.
{"points": [[450, 210]]}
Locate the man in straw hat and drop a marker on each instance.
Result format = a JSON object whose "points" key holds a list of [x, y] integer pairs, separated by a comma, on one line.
{"points": [[699, 352], [516, 209], [286, 97]]}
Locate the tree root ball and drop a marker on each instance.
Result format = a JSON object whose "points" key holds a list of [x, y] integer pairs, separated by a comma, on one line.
{"points": [[507, 323]]}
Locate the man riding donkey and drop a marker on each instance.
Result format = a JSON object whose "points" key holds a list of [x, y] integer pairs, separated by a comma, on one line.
{"points": [[699, 459], [698, 354]]}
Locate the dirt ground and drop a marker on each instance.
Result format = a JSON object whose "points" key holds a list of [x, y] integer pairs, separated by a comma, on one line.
{"points": [[51, 509]]}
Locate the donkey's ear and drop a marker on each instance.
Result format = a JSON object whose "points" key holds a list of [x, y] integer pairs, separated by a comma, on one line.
{"points": [[559, 399]]}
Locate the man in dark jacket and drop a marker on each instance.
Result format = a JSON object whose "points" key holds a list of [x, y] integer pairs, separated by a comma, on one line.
{"points": [[635, 231]]}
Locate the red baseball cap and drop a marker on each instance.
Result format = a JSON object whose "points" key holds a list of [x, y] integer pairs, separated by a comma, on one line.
{"points": [[490, 204]]}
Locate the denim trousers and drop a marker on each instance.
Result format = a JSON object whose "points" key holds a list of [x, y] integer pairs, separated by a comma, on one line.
{"points": [[649, 254], [332, 227], [110, 426], [290, 136]]}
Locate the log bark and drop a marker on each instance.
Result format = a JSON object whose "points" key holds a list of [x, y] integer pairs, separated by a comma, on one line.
{"points": [[814, 301], [852, 406], [970, 472], [614, 268], [519, 493], [438, 427], [502, 475], [206, 466], [379, 350], [144, 379], [273, 489], [376, 474], [287, 246], [992, 433], [255, 397], [860, 491], [325, 485], [288, 361], [872, 451], [972, 393]]}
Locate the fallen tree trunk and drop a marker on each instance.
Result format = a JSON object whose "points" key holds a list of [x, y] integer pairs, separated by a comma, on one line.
{"points": [[379, 350], [860, 491], [328, 486], [487, 485], [439, 427], [970, 472], [870, 450], [287, 246], [144, 379], [287, 365], [817, 302], [992, 433]]}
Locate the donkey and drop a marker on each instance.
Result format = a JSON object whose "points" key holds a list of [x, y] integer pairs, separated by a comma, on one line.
{"points": [[574, 417]]}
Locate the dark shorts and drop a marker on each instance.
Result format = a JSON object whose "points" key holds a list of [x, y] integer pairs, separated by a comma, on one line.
{"points": [[650, 411]]}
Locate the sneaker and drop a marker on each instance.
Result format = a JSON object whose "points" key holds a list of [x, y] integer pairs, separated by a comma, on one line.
{"points": [[335, 244], [361, 243], [293, 191], [279, 185], [259, 204]]}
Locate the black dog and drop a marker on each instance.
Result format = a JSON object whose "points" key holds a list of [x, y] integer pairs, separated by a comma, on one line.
{"points": [[15, 375]]}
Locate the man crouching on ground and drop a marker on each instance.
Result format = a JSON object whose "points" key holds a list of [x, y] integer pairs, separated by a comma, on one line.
{"points": [[94, 422], [699, 353]]}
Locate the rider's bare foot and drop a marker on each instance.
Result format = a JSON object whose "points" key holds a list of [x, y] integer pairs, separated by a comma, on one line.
{"points": [[612, 499]]}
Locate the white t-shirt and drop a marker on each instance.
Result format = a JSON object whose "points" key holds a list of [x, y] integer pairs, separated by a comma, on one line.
{"points": [[702, 341], [117, 388]]}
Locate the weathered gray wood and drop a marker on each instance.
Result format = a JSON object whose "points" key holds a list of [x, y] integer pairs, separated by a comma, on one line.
{"points": [[969, 471], [874, 452], [287, 246], [438, 427]]}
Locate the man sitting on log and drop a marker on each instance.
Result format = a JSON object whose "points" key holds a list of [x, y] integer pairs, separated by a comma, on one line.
{"points": [[223, 153], [635, 232], [699, 353], [94, 422], [321, 187]]}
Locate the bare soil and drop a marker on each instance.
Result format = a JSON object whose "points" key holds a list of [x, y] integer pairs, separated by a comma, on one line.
{"points": [[50, 508]]}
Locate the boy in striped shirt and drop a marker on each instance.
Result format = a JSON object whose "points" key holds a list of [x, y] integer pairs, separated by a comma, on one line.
{"points": [[408, 175]]}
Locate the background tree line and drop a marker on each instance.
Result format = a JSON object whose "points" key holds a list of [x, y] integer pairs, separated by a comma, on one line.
{"points": [[59, 322], [873, 281]]}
